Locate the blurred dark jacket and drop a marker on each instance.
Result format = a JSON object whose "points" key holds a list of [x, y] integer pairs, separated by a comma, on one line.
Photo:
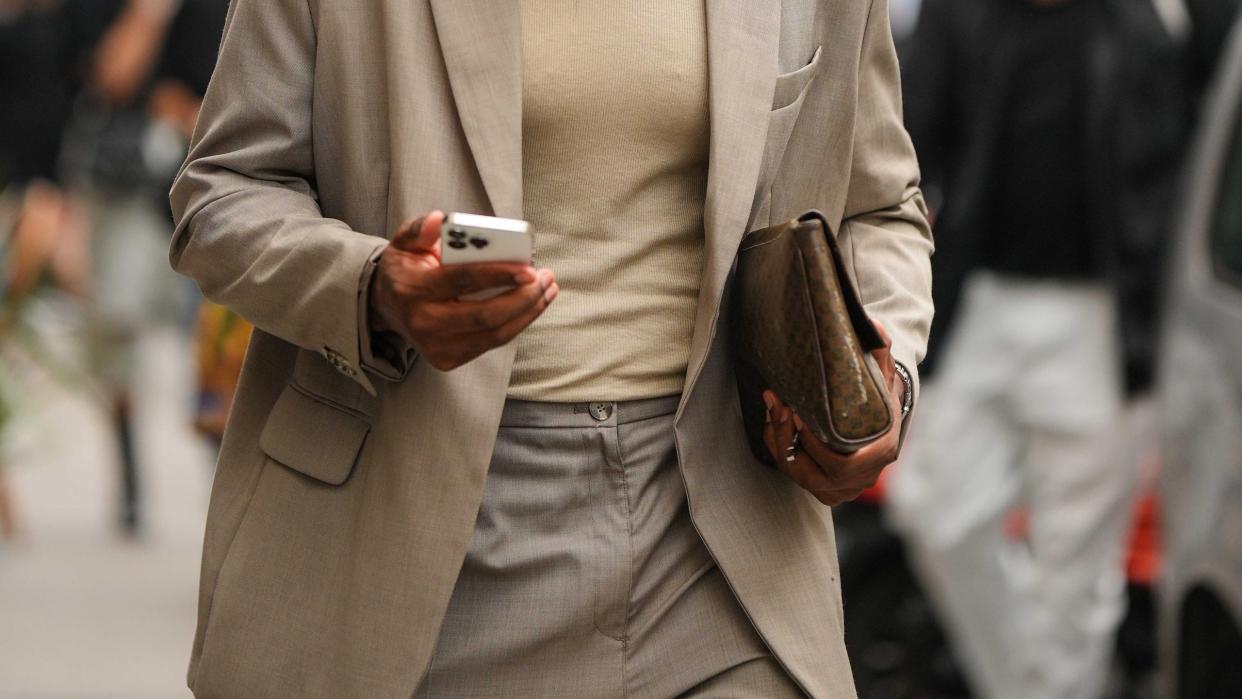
{"points": [[43, 49], [193, 38], [1210, 24], [957, 71]]}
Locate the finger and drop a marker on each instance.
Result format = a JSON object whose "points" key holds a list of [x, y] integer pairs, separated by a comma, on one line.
{"points": [[857, 470], [884, 336], [831, 461], [461, 349], [505, 333], [884, 355], [770, 402], [779, 432], [880, 451], [785, 432], [406, 235], [773, 401], [453, 281], [490, 315], [420, 234], [852, 495], [836, 498], [803, 471]]}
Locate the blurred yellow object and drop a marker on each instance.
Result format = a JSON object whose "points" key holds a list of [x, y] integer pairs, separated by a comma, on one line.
{"points": [[220, 345]]}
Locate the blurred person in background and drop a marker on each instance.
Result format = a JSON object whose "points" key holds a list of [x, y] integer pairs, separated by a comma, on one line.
{"points": [[1053, 131], [220, 336], [42, 273], [144, 81], [42, 237], [117, 158], [99, 102]]}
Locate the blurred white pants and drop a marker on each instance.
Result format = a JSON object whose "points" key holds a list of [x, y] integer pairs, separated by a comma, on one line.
{"points": [[133, 286], [1026, 410]]}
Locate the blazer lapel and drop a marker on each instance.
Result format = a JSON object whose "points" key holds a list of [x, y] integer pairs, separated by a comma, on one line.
{"points": [[482, 45], [743, 38]]}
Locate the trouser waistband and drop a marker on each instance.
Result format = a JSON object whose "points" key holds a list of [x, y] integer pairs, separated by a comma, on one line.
{"points": [[526, 413]]}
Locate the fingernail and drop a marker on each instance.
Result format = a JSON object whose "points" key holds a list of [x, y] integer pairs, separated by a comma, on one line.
{"points": [[798, 422], [785, 413], [545, 278], [551, 293], [769, 401], [524, 277]]}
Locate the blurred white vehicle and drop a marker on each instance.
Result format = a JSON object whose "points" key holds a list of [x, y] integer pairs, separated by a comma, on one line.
{"points": [[1200, 390]]}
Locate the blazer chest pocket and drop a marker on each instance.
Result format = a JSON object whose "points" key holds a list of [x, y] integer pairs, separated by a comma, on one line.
{"points": [[313, 437], [791, 86], [790, 93]]}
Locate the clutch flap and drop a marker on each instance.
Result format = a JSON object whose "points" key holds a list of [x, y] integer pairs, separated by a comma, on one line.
{"points": [[815, 226]]}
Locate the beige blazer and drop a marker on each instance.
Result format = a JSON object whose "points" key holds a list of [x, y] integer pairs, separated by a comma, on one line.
{"points": [[348, 485]]}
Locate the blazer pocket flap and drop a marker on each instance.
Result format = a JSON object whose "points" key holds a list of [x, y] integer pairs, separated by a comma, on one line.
{"points": [[791, 85], [312, 437]]}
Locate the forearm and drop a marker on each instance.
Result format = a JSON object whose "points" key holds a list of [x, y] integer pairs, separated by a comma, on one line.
{"points": [[250, 230], [885, 228], [891, 256], [267, 253]]}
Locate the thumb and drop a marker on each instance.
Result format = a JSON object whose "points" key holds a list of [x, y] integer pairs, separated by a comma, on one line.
{"points": [[884, 336], [883, 354], [420, 235]]}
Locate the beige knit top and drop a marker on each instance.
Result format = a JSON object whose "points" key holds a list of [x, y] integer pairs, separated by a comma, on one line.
{"points": [[614, 149]]}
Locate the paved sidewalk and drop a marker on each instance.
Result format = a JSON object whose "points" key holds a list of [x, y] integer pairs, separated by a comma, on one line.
{"points": [[83, 611]]}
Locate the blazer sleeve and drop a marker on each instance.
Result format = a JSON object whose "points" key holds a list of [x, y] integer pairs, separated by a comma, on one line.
{"points": [[249, 229], [885, 223]]}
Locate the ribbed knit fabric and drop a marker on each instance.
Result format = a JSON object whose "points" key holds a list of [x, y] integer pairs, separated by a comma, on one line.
{"points": [[615, 143]]}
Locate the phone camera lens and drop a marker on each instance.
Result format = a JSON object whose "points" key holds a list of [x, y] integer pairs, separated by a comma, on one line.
{"points": [[457, 245], [457, 233]]}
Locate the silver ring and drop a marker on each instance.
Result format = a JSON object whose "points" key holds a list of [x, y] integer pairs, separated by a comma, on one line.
{"points": [[791, 451]]}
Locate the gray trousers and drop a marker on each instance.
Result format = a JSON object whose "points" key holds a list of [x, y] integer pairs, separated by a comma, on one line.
{"points": [[585, 576]]}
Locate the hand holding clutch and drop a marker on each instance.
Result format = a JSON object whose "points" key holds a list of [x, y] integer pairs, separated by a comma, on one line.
{"points": [[803, 344], [832, 477]]}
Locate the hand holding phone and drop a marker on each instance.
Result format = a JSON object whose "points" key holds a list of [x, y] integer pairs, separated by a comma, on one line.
{"points": [[417, 294], [470, 238]]}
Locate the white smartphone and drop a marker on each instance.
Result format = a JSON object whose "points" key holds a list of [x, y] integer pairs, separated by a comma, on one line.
{"points": [[468, 238]]}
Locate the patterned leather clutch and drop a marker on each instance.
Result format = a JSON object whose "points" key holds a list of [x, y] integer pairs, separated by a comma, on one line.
{"points": [[799, 328]]}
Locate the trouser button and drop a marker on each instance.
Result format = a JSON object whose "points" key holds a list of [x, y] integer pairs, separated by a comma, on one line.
{"points": [[600, 411]]}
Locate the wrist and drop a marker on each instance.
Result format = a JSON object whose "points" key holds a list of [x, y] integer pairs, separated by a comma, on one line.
{"points": [[376, 323]]}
